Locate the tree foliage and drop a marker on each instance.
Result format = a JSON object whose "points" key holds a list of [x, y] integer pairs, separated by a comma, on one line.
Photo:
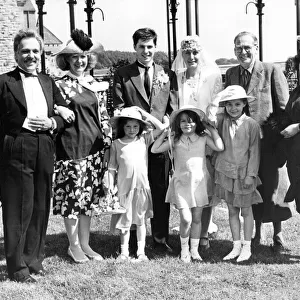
{"points": [[108, 59], [111, 58], [226, 61]]}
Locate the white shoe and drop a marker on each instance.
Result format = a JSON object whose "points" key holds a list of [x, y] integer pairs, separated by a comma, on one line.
{"points": [[123, 258], [196, 256], [245, 254], [235, 252], [141, 258], [185, 257]]}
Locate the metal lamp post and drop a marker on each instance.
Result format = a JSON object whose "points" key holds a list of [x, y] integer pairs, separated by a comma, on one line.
{"points": [[89, 12], [259, 5], [173, 10], [71, 9], [40, 5]]}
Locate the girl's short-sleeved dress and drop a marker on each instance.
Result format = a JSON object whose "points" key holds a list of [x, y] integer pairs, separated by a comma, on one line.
{"points": [[240, 158], [191, 184], [130, 160]]}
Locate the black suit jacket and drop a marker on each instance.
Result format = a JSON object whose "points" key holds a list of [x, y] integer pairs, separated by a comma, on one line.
{"points": [[129, 90], [13, 108]]}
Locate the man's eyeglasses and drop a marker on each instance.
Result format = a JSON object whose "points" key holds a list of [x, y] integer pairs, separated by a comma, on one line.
{"points": [[239, 49]]}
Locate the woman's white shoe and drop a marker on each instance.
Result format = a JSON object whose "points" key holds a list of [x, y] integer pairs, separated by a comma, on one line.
{"points": [[235, 252], [245, 254]]}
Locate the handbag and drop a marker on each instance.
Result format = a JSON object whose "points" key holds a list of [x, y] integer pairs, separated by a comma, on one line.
{"points": [[109, 203]]}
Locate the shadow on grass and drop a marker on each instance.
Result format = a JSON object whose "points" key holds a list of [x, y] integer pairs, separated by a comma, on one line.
{"points": [[261, 254], [108, 246]]}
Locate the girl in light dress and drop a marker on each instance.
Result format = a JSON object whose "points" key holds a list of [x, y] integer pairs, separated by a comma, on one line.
{"points": [[188, 188], [199, 81], [129, 160], [236, 168]]}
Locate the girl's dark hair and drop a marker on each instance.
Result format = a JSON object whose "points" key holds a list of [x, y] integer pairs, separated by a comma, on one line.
{"points": [[193, 117], [122, 122], [245, 109]]}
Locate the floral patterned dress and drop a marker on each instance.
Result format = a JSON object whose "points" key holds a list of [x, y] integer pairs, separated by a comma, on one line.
{"points": [[80, 147]]}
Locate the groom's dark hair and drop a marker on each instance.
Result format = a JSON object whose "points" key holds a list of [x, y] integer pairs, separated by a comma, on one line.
{"points": [[144, 34]]}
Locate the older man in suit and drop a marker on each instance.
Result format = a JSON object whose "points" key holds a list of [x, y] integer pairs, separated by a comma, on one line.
{"points": [[154, 89], [27, 120], [267, 83]]}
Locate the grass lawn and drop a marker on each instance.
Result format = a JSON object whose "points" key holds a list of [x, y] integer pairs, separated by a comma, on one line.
{"points": [[265, 276]]}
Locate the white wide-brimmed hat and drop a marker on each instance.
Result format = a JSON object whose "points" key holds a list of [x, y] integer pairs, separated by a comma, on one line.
{"points": [[198, 111], [128, 112], [80, 43], [233, 92]]}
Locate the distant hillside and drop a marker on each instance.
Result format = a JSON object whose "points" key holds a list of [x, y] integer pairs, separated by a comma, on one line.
{"points": [[112, 58]]}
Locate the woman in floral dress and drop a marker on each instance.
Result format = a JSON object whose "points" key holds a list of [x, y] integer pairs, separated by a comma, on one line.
{"points": [[81, 146]]}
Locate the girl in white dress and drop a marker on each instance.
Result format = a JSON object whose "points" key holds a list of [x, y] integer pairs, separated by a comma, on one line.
{"points": [[188, 189], [199, 81], [129, 160]]}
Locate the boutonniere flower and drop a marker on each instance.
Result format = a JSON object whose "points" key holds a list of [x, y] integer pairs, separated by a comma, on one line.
{"points": [[160, 79]]}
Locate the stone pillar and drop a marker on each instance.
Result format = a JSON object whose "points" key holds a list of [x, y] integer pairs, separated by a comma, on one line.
{"points": [[10, 23]]}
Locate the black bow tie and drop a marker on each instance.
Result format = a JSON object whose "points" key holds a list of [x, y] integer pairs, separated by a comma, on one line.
{"points": [[27, 74]]}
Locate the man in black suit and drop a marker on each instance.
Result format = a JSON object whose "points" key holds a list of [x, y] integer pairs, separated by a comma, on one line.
{"points": [[27, 120]]}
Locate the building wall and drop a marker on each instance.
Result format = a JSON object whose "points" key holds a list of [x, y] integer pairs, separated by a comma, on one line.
{"points": [[10, 23]]}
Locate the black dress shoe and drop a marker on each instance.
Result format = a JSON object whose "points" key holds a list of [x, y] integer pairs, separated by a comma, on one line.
{"points": [[41, 272], [27, 279], [164, 247], [278, 245]]}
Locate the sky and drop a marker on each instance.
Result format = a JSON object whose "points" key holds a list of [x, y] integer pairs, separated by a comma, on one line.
{"points": [[220, 21]]}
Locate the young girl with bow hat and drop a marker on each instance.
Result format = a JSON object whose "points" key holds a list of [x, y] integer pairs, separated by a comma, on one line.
{"points": [[129, 160], [188, 189], [236, 168]]}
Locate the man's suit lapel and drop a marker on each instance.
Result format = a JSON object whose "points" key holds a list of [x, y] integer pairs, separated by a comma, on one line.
{"points": [[16, 87], [137, 81], [46, 87], [256, 76]]}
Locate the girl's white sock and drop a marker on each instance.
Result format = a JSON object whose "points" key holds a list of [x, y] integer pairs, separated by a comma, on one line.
{"points": [[184, 245], [125, 249], [247, 243], [141, 248], [194, 246]]}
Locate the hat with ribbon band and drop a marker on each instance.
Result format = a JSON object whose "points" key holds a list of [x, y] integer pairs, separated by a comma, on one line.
{"points": [[198, 111], [128, 112], [233, 92]]}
